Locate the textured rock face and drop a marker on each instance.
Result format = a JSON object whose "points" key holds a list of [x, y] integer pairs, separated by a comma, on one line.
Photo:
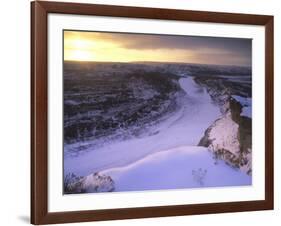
{"points": [[90, 184], [229, 137]]}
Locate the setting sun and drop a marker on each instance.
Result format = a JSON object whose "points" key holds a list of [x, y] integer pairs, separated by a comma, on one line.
{"points": [[80, 55], [127, 47], [97, 46]]}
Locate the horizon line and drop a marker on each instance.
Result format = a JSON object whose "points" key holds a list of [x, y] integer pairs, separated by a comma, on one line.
{"points": [[171, 62]]}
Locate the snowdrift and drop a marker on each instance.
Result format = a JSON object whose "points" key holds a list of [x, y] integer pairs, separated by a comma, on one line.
{"points": [[178, 168]]}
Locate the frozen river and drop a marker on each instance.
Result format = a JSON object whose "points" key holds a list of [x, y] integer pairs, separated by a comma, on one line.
{"points": [[184, 128]]}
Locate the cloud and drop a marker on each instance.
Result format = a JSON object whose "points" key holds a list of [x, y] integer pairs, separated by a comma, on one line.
{"points": [[204, 48]]}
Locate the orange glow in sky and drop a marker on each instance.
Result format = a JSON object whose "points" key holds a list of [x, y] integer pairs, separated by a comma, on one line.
{"points": [[117, 47]]}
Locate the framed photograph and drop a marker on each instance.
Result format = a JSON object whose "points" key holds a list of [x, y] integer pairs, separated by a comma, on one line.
{"points": [[147, 112]]}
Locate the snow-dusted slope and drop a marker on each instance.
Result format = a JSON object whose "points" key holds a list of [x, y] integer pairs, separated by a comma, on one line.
{"points": [[224, 135], [177, 168], [182, 167], [229, 137]]}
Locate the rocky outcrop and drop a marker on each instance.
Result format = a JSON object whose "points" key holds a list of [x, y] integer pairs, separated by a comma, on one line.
{"points": [[230, 137], [90, 184]]}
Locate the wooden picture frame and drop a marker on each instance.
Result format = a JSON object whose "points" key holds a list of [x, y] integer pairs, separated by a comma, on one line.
{"points": [[39, 112]]}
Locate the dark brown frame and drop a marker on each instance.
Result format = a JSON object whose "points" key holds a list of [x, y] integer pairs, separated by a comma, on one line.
{"points": [[39, 107]]}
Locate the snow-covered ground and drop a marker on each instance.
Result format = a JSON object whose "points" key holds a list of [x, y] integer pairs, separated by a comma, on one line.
{"points": [[167, 159], [182, 167]]}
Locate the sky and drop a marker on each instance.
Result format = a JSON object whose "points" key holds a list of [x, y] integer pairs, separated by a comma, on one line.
{"points": [[126, 47]]}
